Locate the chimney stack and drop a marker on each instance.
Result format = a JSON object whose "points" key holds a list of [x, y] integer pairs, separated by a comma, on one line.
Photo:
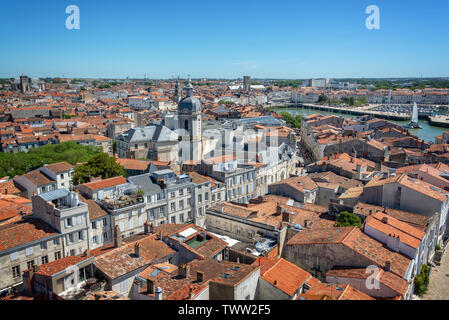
{"points": [[150, 286], [146, 227], [278, 210], [200, 276], [286, 217], [137, 249], [184, 270], [387, 265], [306, 222], [117, 237]]}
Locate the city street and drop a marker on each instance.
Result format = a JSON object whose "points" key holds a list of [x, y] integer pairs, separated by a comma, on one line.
{"points": [[439, 281]]}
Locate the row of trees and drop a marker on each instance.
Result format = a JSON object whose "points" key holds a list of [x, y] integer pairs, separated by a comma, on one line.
{"points": [[95, 162]]}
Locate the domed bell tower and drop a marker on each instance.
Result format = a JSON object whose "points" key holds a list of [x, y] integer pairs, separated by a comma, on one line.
{"points": [[189, 119]]}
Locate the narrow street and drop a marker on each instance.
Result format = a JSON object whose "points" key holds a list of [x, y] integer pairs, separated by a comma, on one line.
{"points": [[439, 281]]}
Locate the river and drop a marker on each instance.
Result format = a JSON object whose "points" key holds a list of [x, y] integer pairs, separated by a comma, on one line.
{"points": [[427, 133]]}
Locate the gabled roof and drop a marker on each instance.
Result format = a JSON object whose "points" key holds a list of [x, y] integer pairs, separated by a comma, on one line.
{"points": [[282, 274], [59, 167], [106, 183], [386, 278], [59, 265], [357, 241]]}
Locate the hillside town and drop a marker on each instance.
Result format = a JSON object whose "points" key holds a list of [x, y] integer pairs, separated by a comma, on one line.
{"points": [[215, 195]]}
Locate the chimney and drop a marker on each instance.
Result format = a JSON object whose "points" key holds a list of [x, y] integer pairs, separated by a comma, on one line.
{"points": [[278, 210], [387, 265], [385, 220], [146, 227], [200, 276], [286, 217], [306, 222], [184, 271], [158, 293], [27, 278], [150, 286], [137, 249], [117, 237]]}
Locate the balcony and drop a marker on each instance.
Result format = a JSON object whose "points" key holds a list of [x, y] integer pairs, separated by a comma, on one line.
{"points": [[123, 201]]}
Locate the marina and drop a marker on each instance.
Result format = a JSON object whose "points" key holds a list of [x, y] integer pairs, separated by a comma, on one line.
{"points": [[427, 133]]}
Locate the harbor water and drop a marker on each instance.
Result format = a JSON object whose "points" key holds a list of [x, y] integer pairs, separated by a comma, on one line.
{"points": [[427, 133]]}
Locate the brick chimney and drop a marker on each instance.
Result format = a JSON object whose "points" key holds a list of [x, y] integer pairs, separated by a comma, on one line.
{"points": [[387, 265], [184, 271], [137, 249], [117, 237]]}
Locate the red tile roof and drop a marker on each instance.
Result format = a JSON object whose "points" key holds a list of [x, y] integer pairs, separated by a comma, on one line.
{"points": [[23, 232], [106, 183], [282, 274]]}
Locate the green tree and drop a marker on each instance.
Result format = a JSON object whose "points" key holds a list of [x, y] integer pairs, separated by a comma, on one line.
{"points": [[348, 219], [293, 121], [12, 164], [422, 280], [323, 98], [101, 165]]}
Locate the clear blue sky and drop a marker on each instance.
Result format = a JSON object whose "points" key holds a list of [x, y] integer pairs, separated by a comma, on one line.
{"points": [[230, 38]]}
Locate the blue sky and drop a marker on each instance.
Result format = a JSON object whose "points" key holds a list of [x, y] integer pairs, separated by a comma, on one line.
{"points": [[229, 39]]}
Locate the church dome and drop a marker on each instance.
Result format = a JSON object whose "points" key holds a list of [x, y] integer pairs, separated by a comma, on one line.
{"points": [[189, 104]]}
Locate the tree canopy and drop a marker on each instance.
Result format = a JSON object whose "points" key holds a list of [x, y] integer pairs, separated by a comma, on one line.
{"points": [[100, 165], [348, 219], [293, 121], [12, 164]]}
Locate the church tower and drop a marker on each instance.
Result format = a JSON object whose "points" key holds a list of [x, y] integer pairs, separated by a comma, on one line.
{"points": [[177, 95], [189, 119]]}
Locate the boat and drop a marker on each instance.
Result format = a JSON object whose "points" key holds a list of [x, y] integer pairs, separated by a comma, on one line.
{"points": [[414, 124]]}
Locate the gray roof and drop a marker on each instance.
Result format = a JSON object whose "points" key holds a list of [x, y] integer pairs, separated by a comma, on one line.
{"points": [[145, 183], [153, 132], [56, 194], [189, 104]]}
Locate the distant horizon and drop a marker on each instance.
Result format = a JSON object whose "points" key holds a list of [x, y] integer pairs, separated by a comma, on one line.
{"points": [[231, 79]]}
